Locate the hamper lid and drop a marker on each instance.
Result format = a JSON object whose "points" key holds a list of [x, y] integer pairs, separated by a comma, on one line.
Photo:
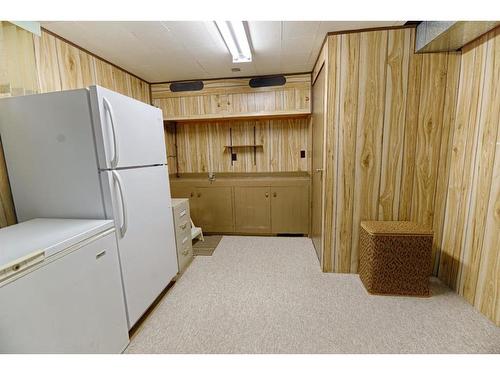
{"points": [[396, 228]]}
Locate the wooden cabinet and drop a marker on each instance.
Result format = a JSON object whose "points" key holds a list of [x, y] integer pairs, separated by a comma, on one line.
{"points": [[213, 209], [290, 209], [234, 98], [252, 206]]}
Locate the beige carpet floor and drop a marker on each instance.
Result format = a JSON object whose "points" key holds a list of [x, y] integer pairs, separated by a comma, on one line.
{"points": [[268, 295]]}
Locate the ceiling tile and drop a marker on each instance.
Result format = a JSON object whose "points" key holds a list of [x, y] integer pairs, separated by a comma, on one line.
{"points": [[159, 51]]}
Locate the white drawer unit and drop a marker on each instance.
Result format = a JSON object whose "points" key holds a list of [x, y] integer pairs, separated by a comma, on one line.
{"points": [[60, 288], [182, 223]]}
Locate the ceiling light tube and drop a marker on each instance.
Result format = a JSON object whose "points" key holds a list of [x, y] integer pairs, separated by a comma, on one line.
{"points": [[235, 37]]}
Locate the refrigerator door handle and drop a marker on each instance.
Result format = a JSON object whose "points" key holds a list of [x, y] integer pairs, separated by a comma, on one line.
{"points": [[109, 109], [124, 224]]}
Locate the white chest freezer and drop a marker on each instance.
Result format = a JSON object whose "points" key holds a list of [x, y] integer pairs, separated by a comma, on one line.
{"points": [[60, 288]]}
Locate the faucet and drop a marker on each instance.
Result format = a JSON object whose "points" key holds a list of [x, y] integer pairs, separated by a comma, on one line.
{"points": [[211, 177]]}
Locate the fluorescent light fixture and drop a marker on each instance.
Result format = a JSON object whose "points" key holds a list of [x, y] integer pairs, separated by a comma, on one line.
{"points": [[235, 37]]}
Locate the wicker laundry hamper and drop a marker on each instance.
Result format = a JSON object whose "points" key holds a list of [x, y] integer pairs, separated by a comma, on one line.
{"points": [[395, 257]]}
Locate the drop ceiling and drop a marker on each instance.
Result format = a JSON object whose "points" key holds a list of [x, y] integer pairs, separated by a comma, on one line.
{"points": [[159, 51]]}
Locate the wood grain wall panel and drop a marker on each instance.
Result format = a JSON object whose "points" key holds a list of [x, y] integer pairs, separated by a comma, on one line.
{"points": [[395, 117], [243, 134], [171, 149], [370, 122], [449, 111], [193, 148], [470, 261], [348, 98], [396, 93], [69, 65], [460, 169], [104, 74], [279, 142], [331, 150], [87, 69], [410, 134], [487, 289], [287, 138], [429, 131], [219, 137], [47, 63], [485, 152], [139, 89], [121, 83]]}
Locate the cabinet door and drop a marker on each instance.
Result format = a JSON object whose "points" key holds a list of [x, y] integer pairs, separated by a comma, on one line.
{"points": [[252, 209], [213, 208], [290, 209]]}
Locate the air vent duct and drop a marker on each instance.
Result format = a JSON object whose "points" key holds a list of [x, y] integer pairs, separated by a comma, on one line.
{"points": [[267, 81], [186, 86]]}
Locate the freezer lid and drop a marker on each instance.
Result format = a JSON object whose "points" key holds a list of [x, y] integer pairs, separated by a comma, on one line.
{"points": [[128, 133], [47, 236]]}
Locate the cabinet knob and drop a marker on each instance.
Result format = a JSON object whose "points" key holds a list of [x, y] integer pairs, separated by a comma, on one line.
{"points": [[199, 195], [192, 194], [267, 195], [307, 98], [275, 194]]}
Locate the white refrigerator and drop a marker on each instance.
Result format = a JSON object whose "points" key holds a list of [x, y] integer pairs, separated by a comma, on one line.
{"points": [[96, 154]]}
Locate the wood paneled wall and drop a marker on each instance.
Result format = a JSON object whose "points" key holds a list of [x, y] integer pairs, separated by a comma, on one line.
{"points": [[416, 137], [470, 251], [234, 98], [391, 114], [201, 146], [60, 66]]}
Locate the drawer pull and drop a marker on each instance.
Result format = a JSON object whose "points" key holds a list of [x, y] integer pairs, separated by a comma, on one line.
{"points": [[101, 254]]}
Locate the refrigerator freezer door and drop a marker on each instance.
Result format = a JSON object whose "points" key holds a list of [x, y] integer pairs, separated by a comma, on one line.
{"points": [[128, 133], [139, 201], [51, 159]]}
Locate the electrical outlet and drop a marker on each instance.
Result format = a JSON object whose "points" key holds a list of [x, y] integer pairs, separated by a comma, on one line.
{"points": [[233, 157], [302, 154]]}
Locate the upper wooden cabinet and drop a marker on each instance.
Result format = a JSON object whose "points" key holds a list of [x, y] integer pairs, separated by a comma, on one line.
{"points": [[234, 98]]}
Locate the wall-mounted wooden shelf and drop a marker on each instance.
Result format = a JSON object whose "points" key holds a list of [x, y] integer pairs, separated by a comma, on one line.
{"points": [[242, 146], [240, 116]]}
